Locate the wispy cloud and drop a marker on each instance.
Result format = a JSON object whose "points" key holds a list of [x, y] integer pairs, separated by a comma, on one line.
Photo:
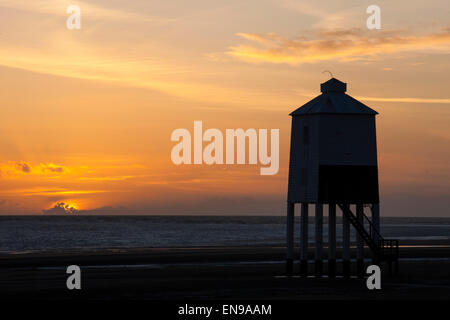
{"points": [[15, 168], [326, 14], [39, 191], [58, 7], [341, 45], [407, 100], [68, 57], [63, 192], [389, 99], [108, 178]]}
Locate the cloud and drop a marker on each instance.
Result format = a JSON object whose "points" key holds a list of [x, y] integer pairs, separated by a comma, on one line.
{"points": [[23, 166], [14, 168], [389, 99], [69, 58], [61, 208], [108, 178], [303, 8], [339, 44], [52, 168], [55, 192], [203, 205], [106, 210], [58, 7], [406, 100]]}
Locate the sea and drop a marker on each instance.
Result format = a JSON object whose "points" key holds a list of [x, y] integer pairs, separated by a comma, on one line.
{"points": [[23, 234]]}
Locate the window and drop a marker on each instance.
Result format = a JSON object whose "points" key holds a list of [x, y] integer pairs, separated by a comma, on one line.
{"points": [[305, 135]]}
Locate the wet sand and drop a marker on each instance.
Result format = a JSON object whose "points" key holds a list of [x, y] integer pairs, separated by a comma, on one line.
{"points": [[213, 273]]}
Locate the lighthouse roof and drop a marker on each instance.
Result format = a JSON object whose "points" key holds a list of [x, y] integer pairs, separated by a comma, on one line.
{"points": [[334, 100]]}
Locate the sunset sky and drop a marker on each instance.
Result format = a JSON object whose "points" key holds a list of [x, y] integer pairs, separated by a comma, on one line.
{"points": [[86, 115]]}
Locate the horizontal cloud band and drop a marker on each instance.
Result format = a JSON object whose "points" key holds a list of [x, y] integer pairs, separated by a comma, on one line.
{"points": [[341, 45]]}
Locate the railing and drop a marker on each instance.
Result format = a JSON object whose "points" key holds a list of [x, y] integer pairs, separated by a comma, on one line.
{"points": [[389, 249]]}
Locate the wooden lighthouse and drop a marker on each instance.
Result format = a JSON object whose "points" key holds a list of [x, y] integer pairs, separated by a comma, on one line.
{"points": [[333, 163]]}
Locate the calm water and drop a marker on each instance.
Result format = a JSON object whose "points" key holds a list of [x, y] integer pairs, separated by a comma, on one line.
{"points": [[35, 233]]}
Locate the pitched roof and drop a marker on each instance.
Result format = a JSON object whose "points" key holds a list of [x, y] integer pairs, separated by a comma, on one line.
{"points": [[334, 100]]}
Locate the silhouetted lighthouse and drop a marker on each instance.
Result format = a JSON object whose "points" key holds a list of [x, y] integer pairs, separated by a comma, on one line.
{"points": [[333, 162]]}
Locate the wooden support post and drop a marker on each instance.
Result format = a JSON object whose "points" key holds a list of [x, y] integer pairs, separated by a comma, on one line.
{"points": [[360, 242], [331, 240], [319, 240], [345, 245], [304, 240], [376, 217], [375, 211], [290, 238]]}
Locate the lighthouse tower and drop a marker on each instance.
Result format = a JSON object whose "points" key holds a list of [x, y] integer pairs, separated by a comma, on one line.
{"points": [[333, 162]]}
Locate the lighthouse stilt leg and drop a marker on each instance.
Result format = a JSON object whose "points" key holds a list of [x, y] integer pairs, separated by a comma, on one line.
{"points": [[319, 240], [290, 238], [360, 242], [376, 216], [304, 240], [345, 246], [375, 210], [331, 240]]}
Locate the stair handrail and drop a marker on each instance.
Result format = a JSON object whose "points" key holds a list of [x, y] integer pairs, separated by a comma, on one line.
{"points": [[377, 245], [372, 229]]}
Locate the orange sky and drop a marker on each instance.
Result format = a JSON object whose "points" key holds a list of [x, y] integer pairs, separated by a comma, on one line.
{"points": [[86, 115]]}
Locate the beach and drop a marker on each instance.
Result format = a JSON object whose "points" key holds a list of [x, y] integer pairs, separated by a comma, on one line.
{"points": [[245, 272]]}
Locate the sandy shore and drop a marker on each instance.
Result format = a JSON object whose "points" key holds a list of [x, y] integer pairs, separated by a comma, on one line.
{"points": [[213, 273]]}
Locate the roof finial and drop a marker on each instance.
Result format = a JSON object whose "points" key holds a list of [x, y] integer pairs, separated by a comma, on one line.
{"points": [[331, 75]]}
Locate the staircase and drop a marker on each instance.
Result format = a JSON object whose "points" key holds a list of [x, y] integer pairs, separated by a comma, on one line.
{"points": [[382, 249]]}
